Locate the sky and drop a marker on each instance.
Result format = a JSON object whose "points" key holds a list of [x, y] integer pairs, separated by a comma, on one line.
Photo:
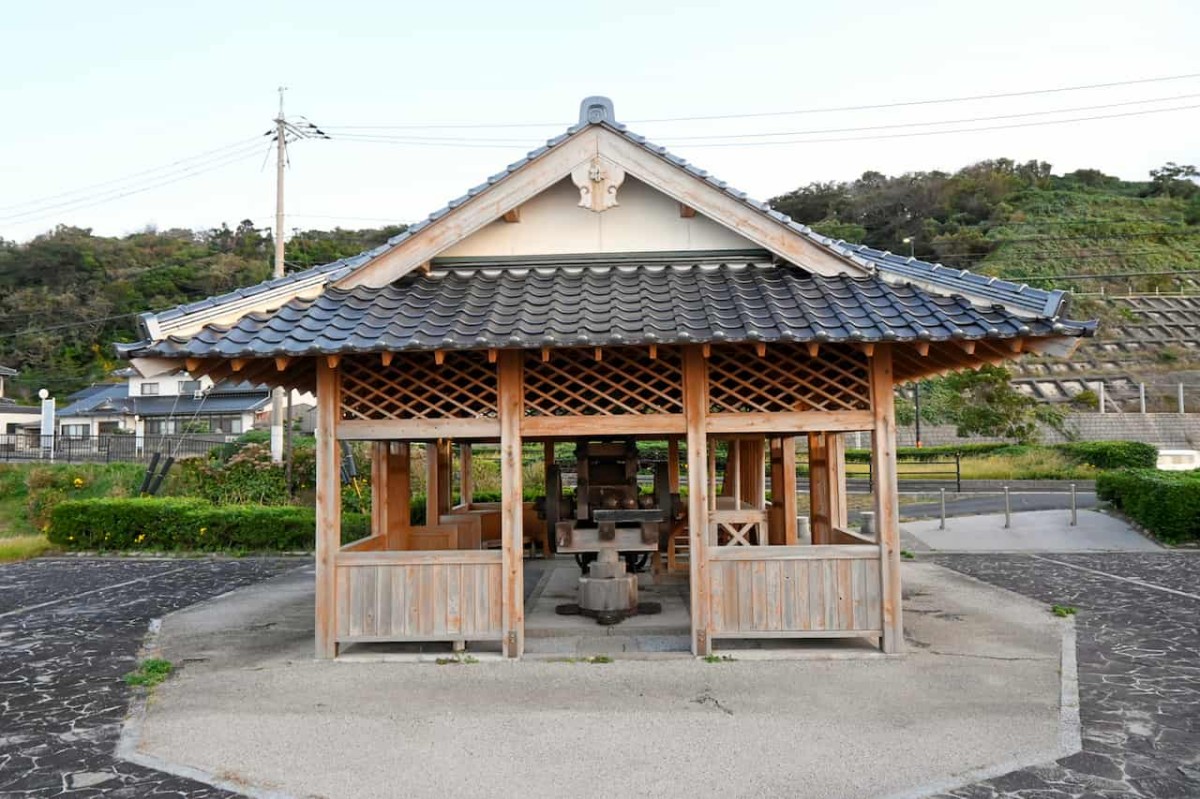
{"points": [[124, 115]]}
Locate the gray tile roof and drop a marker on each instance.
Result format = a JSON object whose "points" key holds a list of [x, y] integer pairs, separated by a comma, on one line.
{"points": [[599, 111], [596, 305], [112, 399]]}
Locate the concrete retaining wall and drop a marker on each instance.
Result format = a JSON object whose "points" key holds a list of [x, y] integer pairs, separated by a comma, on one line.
{"points": [[1164, 430]]}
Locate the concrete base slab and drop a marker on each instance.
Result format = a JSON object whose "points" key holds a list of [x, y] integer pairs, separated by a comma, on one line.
{"points": [[1034, 531], [977, 694]]}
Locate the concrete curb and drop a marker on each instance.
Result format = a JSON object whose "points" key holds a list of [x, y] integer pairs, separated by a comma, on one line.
{"points": [[131, 729], [1070, 728]]}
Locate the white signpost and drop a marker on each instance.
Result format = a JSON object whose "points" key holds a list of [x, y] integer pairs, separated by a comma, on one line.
{"points": [[47, 424]]}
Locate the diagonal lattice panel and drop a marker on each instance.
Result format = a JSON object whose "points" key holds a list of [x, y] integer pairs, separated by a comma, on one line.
{"points": [[786, 378], [415, 386], [625, 380]]}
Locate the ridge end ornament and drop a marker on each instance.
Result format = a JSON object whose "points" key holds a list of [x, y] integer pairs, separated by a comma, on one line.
{"points": [[598, 182]]}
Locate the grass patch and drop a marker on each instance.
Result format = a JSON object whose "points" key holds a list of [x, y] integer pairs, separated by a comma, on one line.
{"points": [[904, 553], [718, 658], [1062, 611], [150, 672], [457, 660], [23, 547]]}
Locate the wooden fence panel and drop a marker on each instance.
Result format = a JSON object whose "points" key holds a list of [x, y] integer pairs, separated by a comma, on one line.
{"points": [[795, 592], [419, 596]]}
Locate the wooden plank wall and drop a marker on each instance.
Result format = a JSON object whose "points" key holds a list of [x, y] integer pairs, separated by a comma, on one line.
{"points": [[795, 592], [429, 596]]}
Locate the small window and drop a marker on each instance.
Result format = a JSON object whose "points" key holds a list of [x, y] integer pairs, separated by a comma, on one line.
{"points": [[149, 389], [76, 430], [107, 428], [189, 386]]}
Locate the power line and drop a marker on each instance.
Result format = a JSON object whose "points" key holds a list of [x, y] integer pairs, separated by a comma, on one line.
{"points": [[793, 112], [451, 143], [84, 323], [42, 200], [88, 202]]}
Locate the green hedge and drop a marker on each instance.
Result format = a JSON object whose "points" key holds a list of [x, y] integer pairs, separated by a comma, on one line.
{"points": [[1111, 454], [940, 452], [1165, 503], [188, 524]]}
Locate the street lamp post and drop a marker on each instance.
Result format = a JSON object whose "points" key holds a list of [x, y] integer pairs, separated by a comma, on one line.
{"points": [[911, 246]]}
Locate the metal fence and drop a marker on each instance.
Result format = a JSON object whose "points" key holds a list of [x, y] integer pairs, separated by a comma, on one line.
{"points": [[913, 474], [106, 448]]}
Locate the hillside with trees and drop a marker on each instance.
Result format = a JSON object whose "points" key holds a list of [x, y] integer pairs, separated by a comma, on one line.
{"points": [[67, 295]]}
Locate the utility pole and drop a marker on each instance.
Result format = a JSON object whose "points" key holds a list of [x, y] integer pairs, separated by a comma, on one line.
{"points": [[283, 129]]}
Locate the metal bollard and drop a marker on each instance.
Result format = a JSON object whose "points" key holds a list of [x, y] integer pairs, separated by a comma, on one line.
{"points": [[1074, 509], [1007, 510], [942, 491]]}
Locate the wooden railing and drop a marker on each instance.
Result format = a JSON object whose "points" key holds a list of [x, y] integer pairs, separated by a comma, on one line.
{"points": [[794, 591], [447, 595]]}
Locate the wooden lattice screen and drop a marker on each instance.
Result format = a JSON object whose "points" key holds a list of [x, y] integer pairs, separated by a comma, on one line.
{"points": [[415, 386], [787, 378], [625, 380]]}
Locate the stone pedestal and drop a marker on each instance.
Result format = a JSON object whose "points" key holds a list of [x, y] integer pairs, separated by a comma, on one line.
{"points": [[607, 586]]}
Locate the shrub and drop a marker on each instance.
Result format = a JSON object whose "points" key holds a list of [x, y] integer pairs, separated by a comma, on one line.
{"points": [[173, 523], [1165, 503], [1111, 454]]}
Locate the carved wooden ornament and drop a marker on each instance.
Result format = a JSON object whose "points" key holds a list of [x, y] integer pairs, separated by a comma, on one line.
{"points": [[598, 182]]}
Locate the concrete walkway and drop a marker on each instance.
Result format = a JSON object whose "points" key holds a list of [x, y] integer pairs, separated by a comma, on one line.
{"points": [[1035, 531], [978, 694]]}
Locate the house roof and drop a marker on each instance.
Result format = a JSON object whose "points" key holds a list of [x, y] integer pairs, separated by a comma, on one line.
{"points": [[1025, 304], [112, 399], [6, 371], [529, 305]]}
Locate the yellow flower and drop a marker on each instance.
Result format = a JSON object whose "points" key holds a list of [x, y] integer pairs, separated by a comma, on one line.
{"points": [[141, 537], [203, 530], [70, 538], [79, 482]]}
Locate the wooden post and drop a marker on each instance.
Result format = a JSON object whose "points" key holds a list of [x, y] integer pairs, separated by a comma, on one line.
{"points": [[695, 403], [752, 468], [673, 465], [887, 508], [446, 475], [329, 508], [835, 459], [818, 488], [379, 476], [433, 476], [466, 478], [511, 409], [399, 498], [731, 486], [785, 492]]}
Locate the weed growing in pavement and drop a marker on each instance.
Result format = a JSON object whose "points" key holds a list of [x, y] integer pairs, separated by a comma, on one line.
{"points": [[150, 672], [1062, 611]]}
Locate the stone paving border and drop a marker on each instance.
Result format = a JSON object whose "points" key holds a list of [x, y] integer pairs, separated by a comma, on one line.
{"points": [[1138, 651], [62, 660]]}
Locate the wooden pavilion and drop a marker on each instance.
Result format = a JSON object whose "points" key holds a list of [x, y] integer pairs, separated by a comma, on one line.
{"points": [[602, 287]]}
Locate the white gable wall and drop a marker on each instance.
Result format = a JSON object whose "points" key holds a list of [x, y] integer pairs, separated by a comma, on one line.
{"points": [[553, 223]]}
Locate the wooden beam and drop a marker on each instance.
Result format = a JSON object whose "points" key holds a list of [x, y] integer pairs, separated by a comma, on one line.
{"points": [[379, 489], [598, 353], [814, 349], [492, 355], [439, 357], [445, 476], [868, 349], [687, 211], [192, 365], [511, 408], [887, 509], [967, 346], [281, 363], [654, 352], [629, 424], [760, 347], [386, 358], [545, 355], [695, 401], [333, 360], [512, 216], [329, 510], [237, 364], [418, 429], [706, 351], [922, 348], [433, 481], [788, 422]]}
